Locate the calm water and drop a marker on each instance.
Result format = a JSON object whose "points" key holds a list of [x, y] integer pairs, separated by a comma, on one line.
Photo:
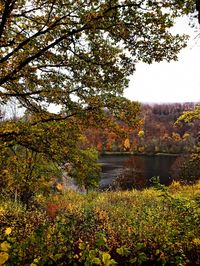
{"points": [[135, 169]]}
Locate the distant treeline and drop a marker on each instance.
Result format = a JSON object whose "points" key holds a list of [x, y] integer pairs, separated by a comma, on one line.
{"points": [[157, 132]]}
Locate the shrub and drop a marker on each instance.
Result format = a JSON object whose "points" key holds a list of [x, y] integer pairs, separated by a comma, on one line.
{"points": [[149, 227]]}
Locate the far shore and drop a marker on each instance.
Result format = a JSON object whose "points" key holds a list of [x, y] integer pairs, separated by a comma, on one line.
{"points": [[127, 153]]}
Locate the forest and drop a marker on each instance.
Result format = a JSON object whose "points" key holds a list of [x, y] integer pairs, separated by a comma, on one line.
{"points": [[157, 132], [64, 66]]}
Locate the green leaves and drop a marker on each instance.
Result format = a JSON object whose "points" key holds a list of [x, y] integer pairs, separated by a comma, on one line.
{"points": [[63, 55], [73, 50], [123, 251], [85, 169]]}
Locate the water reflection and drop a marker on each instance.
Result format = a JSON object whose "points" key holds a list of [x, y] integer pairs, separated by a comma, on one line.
{"points": [[127, 172]]}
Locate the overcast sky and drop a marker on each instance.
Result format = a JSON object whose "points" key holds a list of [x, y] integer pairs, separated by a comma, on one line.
{"points": [[170, 82]]}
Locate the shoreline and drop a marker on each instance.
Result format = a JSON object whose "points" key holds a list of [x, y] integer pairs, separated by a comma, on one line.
{"points": [[107, 153]]}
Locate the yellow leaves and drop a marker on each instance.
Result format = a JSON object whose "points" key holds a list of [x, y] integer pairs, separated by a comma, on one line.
{"points": [[35, 262], [59, 187], [196, 241], [141, 134], [175, 186], [3, 258], [5, 172], [176, 136], [8, 231], [96, 257], [76, 256], [186, 136], [127, 144], [9, 127], [82, 138], [96, 261], [91, 16], [106, 259], [81, 245], [1, 7], [2, 210], [190, 115], [195, 156], [123, 251], [102, 214], [5, 246], [141, 149]]}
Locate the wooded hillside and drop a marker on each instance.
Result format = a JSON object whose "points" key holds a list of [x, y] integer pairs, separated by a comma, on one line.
{"points": [[157, 132]]}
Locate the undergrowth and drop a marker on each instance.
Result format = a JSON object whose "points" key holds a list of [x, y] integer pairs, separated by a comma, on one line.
{"points": [[149, 227]]}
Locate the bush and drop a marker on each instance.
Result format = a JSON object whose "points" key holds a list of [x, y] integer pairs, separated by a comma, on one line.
{"points": [[149, 227]]}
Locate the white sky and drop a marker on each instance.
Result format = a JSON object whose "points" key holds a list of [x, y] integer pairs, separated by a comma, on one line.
{"points": [[170, 82]]}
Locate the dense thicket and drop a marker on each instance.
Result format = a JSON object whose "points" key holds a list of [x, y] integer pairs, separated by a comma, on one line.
{"points": [[151, 227]]}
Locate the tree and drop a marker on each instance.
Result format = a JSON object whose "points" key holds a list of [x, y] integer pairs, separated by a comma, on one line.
{"points": [[190, 115], [86, 174], [198, 9], [29, 160], [25, 172], [67, 52], [190, 170], [77, 55]]}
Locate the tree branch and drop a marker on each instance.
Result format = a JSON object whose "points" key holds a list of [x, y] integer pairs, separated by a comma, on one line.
{"points": [[9, 5], [19, 94], [11, 75], [26, 41]]}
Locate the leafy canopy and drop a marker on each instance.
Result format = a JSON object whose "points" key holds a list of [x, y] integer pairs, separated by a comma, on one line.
{"points": [[67, 52]]}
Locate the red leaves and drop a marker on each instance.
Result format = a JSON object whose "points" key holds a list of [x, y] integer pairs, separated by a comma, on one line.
{"points": [[52, 209]]}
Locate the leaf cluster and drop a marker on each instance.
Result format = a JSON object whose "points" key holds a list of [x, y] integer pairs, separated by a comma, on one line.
{"points": [[151, 227]]}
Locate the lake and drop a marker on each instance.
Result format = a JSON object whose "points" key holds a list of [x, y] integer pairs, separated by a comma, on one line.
{"points": [[128, 171]]}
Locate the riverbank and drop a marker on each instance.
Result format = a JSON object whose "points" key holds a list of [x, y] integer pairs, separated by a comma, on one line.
{"points": [[126, 153], [149, 227]]}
